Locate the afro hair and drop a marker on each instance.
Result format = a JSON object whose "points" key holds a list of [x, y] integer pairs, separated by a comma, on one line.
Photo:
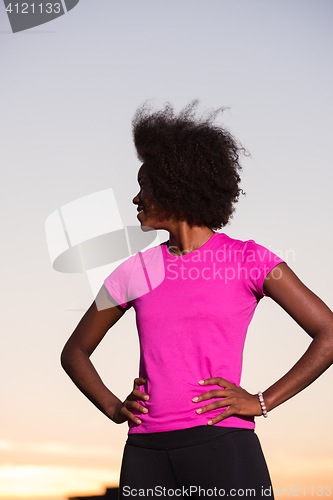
{"points": [[193, 164]]}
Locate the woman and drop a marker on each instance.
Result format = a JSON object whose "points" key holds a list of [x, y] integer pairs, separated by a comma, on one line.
{"points": [[191, 424]]}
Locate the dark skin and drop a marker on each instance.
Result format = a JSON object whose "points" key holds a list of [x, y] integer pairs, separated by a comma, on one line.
{"points": [[315, 318], [281, 284], [99, 318]]}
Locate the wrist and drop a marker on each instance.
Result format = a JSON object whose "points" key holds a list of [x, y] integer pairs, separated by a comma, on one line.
{"points": [[113, 408], [263, 408]]}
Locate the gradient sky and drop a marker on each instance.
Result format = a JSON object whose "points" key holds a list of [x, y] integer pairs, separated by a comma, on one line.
{"points": [[69, 89]]}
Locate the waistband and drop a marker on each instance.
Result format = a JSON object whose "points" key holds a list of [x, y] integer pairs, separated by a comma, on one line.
{"points": [[181, 438]]}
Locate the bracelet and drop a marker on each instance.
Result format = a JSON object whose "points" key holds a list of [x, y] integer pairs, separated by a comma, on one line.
{"points": [[262, 404]]}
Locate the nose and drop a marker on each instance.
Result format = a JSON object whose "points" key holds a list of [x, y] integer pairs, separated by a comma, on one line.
{"points": [[136, 200]]}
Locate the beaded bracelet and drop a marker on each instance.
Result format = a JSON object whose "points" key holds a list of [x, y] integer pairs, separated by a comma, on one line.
{"points": [[262, 404]]}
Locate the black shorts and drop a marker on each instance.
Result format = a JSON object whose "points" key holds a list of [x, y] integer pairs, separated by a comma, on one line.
{"points": [[200, 462]]}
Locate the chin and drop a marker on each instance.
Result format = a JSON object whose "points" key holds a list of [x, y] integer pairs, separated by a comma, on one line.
{"points": [[146, 228]]}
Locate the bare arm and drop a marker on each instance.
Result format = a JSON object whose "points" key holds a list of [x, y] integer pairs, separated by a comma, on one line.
{"points": [[315, 318], [77, 351], [310, 312]]}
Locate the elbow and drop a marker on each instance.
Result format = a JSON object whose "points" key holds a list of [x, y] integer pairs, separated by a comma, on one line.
{"points": [[64, 359], [67, 357], [71, 356], [324, 343]]}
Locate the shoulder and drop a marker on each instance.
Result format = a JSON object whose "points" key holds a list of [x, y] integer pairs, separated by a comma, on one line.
{"points": [[151, 253], [237, 249], [138, 261], [137, 275], [224, 241], [247, 250]]}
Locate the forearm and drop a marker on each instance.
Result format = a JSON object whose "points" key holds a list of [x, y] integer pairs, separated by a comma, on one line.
{"points": [[310, 312], [80, 369], [317, 358]]}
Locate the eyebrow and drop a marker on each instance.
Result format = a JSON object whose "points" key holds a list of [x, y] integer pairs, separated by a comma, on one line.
{"points": [[141, 177]]}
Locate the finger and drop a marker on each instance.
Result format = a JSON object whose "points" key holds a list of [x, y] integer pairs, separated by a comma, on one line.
{"points": [[130, 416], [216, 381], [136, 394], [214, 393], [139, 381], [133, 405], [222, 416], [213, 406]]}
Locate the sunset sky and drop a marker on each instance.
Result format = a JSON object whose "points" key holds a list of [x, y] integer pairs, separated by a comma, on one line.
{"points": [[69, 89]]}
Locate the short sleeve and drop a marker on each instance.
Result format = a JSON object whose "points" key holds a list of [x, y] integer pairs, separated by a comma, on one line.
{"points": [[136, 276], [259, 262], [117, 282]]}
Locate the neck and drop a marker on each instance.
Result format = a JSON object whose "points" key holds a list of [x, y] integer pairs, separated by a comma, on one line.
{"points": [[185, 239]]}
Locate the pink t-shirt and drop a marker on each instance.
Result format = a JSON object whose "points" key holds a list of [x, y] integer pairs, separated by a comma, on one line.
{"points": [[192, 315]]}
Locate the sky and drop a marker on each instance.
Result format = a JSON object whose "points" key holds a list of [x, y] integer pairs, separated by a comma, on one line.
{"points": [[69, 90]]}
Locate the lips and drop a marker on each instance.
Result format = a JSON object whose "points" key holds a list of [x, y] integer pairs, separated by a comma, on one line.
{"points": [[140, 211]]}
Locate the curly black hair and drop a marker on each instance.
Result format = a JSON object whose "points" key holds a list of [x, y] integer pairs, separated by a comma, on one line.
{"points": [[193, 164]]}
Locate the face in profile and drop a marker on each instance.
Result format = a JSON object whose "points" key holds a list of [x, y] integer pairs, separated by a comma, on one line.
{"points": [[145, 206]]}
